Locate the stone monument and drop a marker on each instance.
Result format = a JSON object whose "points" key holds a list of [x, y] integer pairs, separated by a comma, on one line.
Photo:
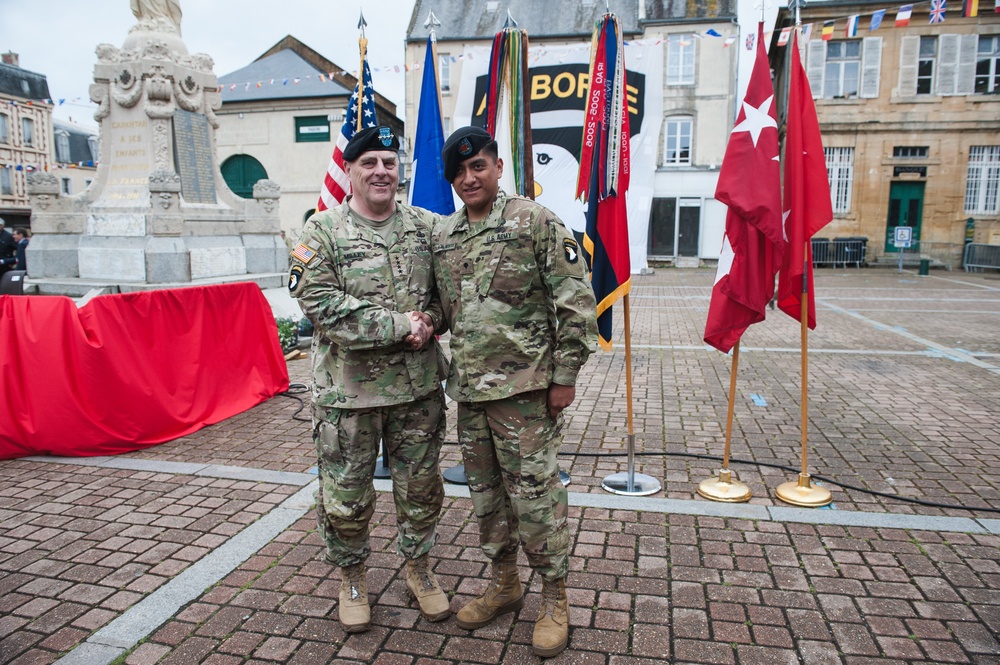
{"points": [[158, 212]]}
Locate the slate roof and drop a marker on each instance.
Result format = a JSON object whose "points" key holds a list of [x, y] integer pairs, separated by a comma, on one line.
{"points": [[17, 82], [283, 67], [79, 146], [476, 19]]}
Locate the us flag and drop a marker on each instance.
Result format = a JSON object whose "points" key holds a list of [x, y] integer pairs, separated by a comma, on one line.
{"points": [[937, 10], [336, 185]]}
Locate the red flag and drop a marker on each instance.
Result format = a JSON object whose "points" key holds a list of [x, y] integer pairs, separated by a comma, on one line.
{"points": [[749, 183], [807, 206]]}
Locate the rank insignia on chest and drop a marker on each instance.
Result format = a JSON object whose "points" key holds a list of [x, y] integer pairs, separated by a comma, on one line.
{"points": [[303, 253], [572, 250]]}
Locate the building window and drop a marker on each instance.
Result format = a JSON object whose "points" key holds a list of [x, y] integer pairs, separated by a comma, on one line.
{"points": [[95, 148], [680, 60], [983, 180], [840, 167], [241, 173], [444, 72], [910, 151], [446, 127], [677, 141], [27, 132], [62, 146], [925, 65], [4, 129], [66, 185], [843, 68], [988, 65], [5, 186], [312, 129]]}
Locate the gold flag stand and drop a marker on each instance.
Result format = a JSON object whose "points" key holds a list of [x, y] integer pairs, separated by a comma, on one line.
{"points": [[630, 483], [724, 488], [802, 492]]}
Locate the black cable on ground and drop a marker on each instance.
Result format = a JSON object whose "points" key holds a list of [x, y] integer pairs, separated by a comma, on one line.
{"points": [[732, 460], [296, 389]]}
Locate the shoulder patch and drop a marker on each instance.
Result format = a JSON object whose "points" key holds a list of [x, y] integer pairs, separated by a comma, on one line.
{"points": [[303, 253], [571, 249], [294, 275]]}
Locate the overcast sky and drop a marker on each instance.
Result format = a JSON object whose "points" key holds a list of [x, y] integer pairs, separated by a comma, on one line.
{"points": [[57, 38]]}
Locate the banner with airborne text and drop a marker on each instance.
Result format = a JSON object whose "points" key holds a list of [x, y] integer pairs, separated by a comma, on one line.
{"points": [[558, 98]]}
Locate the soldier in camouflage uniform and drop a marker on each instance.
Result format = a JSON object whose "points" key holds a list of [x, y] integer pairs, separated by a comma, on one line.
{"points": [[522, 315], [362, 275]]}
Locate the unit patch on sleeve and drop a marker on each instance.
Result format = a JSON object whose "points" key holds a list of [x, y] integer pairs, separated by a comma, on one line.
{"points": [[294, 275], [572, 250]]}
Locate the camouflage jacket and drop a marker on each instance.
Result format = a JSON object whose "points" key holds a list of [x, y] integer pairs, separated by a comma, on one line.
{"points": [[515, 293], [356, 291]]}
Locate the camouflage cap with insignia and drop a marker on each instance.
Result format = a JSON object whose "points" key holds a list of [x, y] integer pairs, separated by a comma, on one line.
{"points": [[462, 144]]}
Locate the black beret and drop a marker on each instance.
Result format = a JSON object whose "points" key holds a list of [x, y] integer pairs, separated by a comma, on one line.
{"points": [[368, 139], [462, 144]]}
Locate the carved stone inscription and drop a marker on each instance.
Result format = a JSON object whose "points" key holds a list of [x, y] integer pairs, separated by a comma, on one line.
{"points": [[193, 156], [128, 184]]}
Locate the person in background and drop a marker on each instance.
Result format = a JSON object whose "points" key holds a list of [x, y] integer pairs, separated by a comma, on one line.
{"points": [[362, 275], [8, 249], [522, 314], [21, 235]]}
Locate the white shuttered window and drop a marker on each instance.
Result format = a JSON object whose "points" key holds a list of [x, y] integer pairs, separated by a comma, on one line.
{"points": [[983, 180], [840, 168]]}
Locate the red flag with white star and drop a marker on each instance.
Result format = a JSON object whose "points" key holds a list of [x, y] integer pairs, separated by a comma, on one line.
{"points": [[749, 183], [807, 206]]}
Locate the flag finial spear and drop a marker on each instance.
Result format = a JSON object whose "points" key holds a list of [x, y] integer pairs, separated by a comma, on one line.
{"points": [[510, 22], [362, 23], [432, 23]]}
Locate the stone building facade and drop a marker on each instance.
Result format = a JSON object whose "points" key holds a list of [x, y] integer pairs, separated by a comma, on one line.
{"points": [[25, 136], [910, 118]]}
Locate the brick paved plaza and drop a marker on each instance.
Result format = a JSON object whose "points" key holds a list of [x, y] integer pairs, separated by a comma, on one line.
{"points": [[204, 549]]}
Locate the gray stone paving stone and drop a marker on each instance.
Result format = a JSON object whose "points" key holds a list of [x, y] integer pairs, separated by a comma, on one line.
{"points": [[883, 520], [91, 654], [993, 526], [259, 475]]}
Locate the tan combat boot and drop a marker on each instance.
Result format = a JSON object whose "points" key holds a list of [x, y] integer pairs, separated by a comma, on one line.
{"points": [[423, 586], [503, 595], [552, 626], [355, 615]]}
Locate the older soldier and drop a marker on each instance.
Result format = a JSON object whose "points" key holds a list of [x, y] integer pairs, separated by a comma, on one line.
{"points": [[362, 274], [522, 316]]}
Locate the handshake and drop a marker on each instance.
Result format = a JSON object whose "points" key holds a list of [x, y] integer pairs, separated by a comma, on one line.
{"points": [[421, 331]]}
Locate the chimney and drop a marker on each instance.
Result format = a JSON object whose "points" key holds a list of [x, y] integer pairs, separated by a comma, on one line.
{"points": [[10, 58]]}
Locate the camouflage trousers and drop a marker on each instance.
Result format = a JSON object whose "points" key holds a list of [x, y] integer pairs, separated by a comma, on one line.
{"points": [[509, 449], [347, 443]]}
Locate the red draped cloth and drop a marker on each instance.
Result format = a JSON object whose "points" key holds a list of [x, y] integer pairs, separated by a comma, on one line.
{"points": [[132, 370]]}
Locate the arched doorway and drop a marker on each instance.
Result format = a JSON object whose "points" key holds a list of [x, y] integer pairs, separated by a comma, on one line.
{"points": [[241, 172]]}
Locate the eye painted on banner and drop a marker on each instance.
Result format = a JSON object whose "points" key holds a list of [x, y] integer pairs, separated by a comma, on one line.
{"points": [[293, 277], [572, 250], [543, 158]]}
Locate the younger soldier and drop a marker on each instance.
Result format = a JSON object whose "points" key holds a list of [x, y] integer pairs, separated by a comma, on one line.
{"points": [[522, 316], [362, 275]]}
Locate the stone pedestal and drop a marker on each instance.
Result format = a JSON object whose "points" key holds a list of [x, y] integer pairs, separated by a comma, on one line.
{"points": [[158, 211]]}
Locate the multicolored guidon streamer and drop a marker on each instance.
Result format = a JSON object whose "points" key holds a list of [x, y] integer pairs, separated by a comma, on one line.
{"points": [[604, 172], [508, 109]]}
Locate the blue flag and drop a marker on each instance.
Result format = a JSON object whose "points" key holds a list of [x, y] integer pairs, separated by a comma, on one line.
{"points": [[429, 189]]}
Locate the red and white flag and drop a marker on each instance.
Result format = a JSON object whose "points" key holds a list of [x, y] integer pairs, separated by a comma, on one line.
{"points": [[360, 114], [806, 207], [749, 183]]}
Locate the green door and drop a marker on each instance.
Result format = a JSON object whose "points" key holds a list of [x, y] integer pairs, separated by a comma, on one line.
{"points": [[241, 173], [906, 205]]}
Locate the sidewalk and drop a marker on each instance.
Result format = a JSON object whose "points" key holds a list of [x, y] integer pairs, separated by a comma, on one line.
{"points": [[204, 549]]}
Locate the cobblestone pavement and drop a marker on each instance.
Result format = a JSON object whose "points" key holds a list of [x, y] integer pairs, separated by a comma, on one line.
{"points": [[204, 549]]}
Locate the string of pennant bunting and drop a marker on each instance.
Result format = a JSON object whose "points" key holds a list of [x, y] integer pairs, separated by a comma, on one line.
{"points": [[938, 8]]}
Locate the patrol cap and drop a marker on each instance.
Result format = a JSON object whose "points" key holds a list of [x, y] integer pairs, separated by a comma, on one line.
{"points": [[462, 144], [368, 139]]}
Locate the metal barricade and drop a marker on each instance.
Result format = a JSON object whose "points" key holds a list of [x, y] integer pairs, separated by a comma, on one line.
{"points": [[979, 257], [849, 251]]}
